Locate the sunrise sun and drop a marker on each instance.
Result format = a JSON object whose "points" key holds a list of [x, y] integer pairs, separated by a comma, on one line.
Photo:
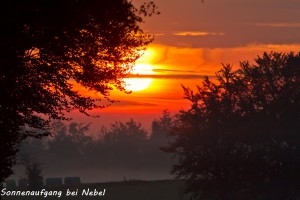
{"points": [[138, 84]]}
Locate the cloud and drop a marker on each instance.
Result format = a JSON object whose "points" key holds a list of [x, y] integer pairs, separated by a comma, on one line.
{"points": [[173, 70], [171, 76], [133, 103], [163, 56], [198, 33], [225, 24], [279, 25]]}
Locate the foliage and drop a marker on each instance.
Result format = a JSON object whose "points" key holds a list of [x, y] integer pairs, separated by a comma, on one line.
{"points": [[158, 140], [50, 50], [161, 128], [124, 146], [125, 141], [240, 138], [33, 170], [70, 142]]}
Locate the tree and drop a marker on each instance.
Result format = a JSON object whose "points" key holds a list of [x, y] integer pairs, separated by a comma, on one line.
{"points": [[124, 144], [33, 170], [50, 51], [160, 129], [240, 138], [156, 158], [69, 141]]}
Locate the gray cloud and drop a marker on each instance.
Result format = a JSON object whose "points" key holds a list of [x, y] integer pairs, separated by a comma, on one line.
{"points": [[225, 24], [133, 103]]}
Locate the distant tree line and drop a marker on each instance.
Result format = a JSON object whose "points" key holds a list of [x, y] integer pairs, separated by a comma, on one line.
{"points": [[50, 47], [238, 140], [125, 145]]}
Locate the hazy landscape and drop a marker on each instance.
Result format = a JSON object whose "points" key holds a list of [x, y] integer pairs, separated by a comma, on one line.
{"points": [[138, 99]]}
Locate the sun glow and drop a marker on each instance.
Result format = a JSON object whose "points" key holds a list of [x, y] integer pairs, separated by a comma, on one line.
{"points": [[135, 83]]}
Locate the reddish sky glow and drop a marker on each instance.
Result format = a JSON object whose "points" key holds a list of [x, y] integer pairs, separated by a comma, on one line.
{"points": [[191, 41]]}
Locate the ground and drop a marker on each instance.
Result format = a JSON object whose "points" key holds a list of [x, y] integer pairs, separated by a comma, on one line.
{"points": [[131, 190]]}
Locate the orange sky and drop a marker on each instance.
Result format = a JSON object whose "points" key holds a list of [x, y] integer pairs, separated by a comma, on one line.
{"points": [[191, 41]]}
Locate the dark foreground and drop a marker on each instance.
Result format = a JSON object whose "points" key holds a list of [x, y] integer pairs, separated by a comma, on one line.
{"points": [[131, 190]]}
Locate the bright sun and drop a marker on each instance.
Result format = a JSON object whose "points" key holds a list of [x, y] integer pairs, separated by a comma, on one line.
{"points": [[138, 84]]}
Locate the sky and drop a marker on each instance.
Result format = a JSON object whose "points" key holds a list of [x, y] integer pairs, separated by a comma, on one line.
{"points": [[192, 40]]}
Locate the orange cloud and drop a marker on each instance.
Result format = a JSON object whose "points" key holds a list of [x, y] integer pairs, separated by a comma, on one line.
{"points": [[292, 25], [176, 66], [196, 33]]}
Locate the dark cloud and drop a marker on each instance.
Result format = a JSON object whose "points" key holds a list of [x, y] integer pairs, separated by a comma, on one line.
{"points": [[171, 76], [134, 103], [226, 24], [238, 35]]}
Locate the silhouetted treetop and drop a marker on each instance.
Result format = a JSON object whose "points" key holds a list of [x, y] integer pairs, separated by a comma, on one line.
{"points": [[240, 137], [49, 43], [51, 50], [122, 132]]}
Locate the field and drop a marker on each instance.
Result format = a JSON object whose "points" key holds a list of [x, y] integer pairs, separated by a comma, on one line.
{"points": [[129, 190]]}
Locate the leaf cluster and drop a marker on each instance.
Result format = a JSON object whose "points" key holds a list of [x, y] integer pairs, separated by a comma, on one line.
{"points": [[51, 51], [240, 138]]}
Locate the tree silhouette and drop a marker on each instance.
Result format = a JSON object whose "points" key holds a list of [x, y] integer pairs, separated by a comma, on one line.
{"points": [[33, 171], [50, 50], [124, 144], [70, 142], [240, 138], [161, 128], [156, 158]]}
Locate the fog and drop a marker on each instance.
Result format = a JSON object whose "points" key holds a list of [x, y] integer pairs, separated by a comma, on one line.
{"points": [[124, 151]]}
